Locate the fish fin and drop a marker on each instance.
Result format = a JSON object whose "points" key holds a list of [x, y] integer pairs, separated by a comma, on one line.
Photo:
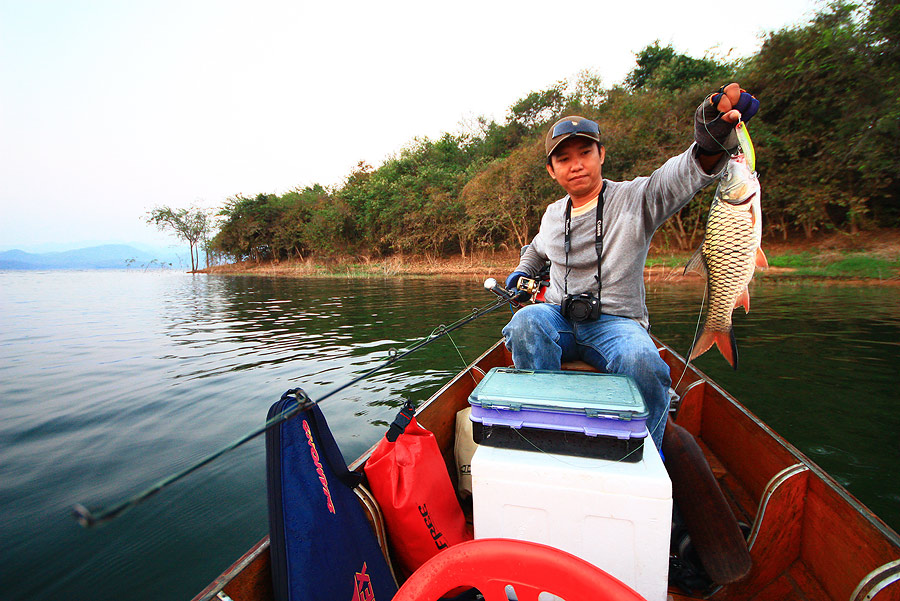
{"points": [[697, 263], [761, 260], [743, 300], [728, 348], [703, 343], [724, 341]]}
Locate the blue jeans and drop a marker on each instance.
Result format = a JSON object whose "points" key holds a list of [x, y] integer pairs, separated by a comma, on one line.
{"points": [[539, 337]]}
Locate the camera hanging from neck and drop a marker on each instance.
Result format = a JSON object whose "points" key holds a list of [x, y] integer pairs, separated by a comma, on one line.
{"points": [[598, 241]]}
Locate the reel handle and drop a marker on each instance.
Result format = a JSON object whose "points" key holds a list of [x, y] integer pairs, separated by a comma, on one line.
{"points": [[525, 286], [491, 285]]}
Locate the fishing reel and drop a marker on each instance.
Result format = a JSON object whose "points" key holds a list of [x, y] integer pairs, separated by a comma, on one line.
{"points": [[529, 286], [527, 289]]}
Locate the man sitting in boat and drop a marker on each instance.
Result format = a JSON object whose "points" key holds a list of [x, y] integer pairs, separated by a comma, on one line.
{"points": [[597, 238]]}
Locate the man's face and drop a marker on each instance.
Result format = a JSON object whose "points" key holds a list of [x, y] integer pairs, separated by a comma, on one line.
{"points": [[576, 166]]}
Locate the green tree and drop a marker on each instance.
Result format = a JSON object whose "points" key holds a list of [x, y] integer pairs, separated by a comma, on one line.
{"points": [[588, 90], [663, 68], [828, 134], [537, 108], [191, 225], [249, 228], [504, 202], [409, 203], [329, 229], [827, 141]]}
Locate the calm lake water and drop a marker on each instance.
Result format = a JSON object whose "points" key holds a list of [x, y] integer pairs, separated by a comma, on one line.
{"points": [[110, 381]]}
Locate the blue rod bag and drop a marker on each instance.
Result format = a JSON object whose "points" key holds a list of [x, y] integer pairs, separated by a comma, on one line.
{"points": [[321, 544]]}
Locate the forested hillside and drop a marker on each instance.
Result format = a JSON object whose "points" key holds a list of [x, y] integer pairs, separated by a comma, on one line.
{"points": [[827, 141]]}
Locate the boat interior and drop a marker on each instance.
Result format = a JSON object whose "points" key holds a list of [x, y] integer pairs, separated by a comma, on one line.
{"points": [[808, 538]]}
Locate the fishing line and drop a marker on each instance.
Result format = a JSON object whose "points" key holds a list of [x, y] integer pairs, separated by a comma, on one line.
{"points": [[719, 116], [705, 290], [558, 457], [88, 518], [696, 330], [461, 358]]}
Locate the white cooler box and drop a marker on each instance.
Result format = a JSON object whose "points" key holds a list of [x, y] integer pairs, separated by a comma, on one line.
{"points": [[616, 515]]}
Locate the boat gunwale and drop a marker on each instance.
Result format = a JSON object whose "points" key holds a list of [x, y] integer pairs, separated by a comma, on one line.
{"points": [[357, 463], [225, 578], [876, 581]]}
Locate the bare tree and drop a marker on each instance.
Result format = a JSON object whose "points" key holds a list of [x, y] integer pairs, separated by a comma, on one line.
{"points": [[191, 225]]}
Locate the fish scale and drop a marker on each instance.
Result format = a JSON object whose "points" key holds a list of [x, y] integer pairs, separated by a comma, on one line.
{"points": [[729, 256]]}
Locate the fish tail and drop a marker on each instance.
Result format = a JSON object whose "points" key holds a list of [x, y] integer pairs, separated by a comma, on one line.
{"points": [[725, 342]]}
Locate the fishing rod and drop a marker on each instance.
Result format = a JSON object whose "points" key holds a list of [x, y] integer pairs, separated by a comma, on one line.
{"points": [[89, 518]]}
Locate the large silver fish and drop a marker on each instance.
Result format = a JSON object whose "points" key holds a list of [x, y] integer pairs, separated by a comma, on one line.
{"points": [[730, 251]]}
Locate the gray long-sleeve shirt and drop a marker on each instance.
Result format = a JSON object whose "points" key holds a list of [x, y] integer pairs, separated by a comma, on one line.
{"points": [[632, 212]]}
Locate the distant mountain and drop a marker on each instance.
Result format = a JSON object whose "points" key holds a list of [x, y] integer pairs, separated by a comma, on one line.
{"points": [[107, 256]]}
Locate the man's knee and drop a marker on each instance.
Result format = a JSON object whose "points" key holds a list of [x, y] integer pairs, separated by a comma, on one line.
{"points": [[526, 324], [642, 362], [532, 337]]}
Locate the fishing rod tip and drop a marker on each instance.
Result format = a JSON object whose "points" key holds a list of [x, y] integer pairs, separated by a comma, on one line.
{"points": [[83, 515], [490, 283]]}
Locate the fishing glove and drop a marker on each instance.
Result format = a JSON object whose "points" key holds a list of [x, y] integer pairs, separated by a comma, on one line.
{"points": [[513, 279], [712, 133], [511, 282]]}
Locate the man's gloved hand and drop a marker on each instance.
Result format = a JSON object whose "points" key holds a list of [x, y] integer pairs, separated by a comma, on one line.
{"points": [[717, 115], [513, 280]]}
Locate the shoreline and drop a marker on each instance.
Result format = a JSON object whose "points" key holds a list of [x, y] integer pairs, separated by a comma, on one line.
{"points": [[867, 258], [480, 269]]}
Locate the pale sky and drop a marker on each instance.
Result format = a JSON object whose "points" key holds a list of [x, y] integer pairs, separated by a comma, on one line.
{"points": [[108, 108]]}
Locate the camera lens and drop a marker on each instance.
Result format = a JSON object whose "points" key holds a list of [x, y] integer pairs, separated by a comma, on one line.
{"points": [[580, 310]]}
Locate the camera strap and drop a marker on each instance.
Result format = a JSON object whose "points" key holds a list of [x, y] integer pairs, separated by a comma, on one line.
{"points": [[598, 240]]}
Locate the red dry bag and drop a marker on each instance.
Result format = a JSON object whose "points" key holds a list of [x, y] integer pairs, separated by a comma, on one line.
{"points": [[408, 478]]}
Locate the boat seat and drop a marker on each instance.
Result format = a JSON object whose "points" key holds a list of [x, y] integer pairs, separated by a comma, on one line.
{"points": [[878, 580], [578, 366], [690, 407], [774, 540]]}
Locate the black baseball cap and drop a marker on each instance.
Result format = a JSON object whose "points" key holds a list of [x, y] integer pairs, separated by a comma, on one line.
{"points": [[567, 127]]}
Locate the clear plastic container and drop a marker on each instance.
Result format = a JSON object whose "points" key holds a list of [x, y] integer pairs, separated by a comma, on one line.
{"points": [[594, 404]]}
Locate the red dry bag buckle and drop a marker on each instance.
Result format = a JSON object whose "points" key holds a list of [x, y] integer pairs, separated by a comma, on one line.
{"points": [[400, 422]]}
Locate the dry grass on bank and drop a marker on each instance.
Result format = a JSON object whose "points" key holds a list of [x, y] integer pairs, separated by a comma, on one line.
{"points": [[482, 264], [663, 264]]}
